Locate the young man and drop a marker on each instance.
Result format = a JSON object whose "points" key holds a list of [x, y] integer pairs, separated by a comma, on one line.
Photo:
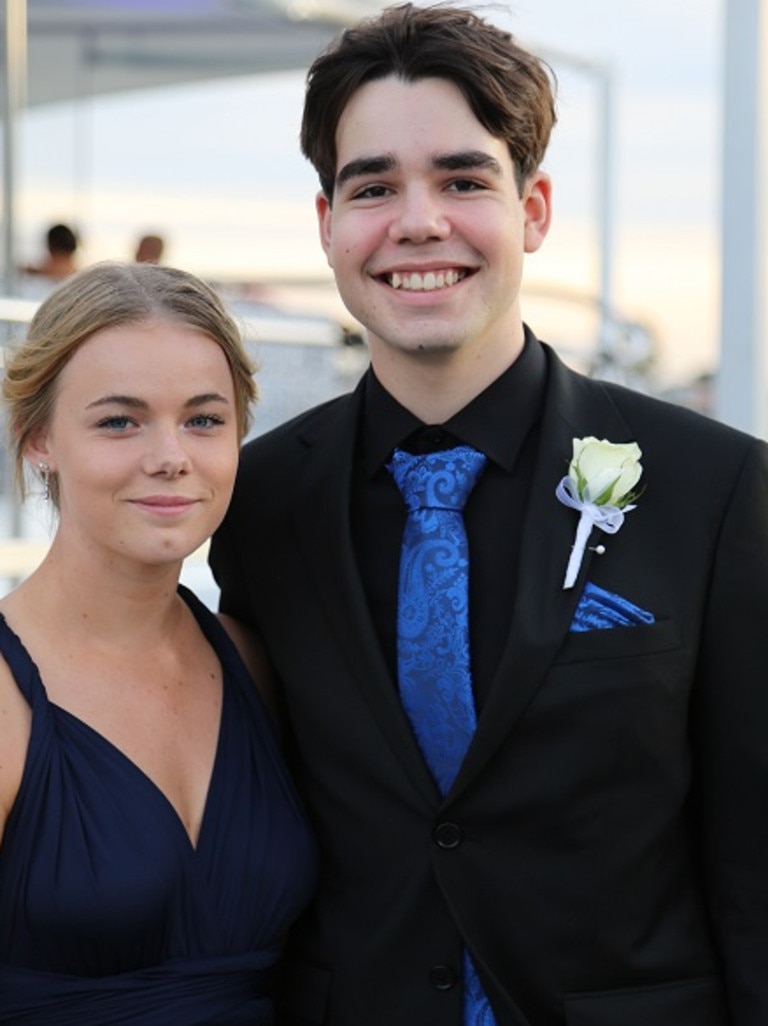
{"points": [[596, 853]]}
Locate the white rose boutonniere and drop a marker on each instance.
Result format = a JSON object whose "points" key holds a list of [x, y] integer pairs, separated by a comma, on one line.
{"points": [[599, 485]]}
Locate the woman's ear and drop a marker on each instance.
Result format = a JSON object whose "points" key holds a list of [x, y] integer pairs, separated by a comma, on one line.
{"points": [[37, 450]]}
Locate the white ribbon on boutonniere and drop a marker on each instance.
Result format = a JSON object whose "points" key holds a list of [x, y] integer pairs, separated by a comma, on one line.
{"points": [[599, 485]]}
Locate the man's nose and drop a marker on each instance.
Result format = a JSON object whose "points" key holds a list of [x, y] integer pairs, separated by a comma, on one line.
{"points": [[420, 217]]}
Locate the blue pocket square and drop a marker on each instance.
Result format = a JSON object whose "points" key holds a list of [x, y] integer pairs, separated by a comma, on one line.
{"points": [[599, 609]]}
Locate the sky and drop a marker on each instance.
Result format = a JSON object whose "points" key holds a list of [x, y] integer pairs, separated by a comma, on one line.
{"points": [[216, 169]]}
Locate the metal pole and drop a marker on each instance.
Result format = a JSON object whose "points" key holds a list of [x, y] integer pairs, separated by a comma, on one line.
{"points": [[742, 394], [14, 99], [605, 210], [604, 79]]}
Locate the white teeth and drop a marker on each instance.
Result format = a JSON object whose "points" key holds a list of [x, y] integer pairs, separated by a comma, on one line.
{"points": [[428, 282]]}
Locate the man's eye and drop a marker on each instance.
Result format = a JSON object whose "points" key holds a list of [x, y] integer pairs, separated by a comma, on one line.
{"points": [[371, 192], [465, 185]]}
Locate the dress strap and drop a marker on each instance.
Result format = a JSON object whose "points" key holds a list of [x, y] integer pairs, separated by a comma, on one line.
{"points": [[24, 670]]}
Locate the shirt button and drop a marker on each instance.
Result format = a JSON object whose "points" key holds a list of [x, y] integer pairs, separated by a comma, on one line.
{"points": [[434, 438], [447, 835], [442, 977]]}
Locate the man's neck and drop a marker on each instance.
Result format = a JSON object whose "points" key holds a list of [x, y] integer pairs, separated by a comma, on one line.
{"points": [[435, 386]]}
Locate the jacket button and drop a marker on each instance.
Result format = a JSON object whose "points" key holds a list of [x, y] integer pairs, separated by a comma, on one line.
{"points": [[447, 835], [442, 977]]}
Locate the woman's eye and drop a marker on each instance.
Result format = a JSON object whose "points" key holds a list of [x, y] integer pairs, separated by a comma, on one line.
{"points": [[115, 423], [205, 420]]}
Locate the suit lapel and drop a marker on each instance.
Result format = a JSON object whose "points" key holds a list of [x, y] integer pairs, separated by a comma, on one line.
{"points": [[574, 407], [322, 523]]}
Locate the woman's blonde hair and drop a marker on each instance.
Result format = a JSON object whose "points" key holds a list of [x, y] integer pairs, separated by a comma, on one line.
{"points": [[105, 296]]}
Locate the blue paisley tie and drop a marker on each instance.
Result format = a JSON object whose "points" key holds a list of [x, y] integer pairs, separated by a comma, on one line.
{"points": [[433, 628]]}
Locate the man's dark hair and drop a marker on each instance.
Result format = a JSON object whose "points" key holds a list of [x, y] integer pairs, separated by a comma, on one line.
{"points": [[510, 91]]}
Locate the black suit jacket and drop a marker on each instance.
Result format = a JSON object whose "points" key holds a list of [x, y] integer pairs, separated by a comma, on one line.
{"points": [[604, 849]]}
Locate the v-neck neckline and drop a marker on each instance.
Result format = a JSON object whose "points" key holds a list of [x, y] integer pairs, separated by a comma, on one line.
{"points": [[38, 686], [194, 845]]}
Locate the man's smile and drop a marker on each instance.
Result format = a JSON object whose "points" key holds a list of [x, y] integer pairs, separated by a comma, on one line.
{"points": [[428, 281]]}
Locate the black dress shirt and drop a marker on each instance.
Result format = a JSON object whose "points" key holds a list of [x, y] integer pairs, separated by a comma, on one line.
{"points": [[501, 422]]}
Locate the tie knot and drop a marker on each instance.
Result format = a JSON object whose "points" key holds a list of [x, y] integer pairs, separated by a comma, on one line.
{"points": [[437, 480]]}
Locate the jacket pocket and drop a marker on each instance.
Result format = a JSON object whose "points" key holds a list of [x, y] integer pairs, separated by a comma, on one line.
{"points": [[620, 642], [698, 1002]]}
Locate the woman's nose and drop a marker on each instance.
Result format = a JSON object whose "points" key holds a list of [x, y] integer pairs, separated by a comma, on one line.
{"points": [[167, 456]]}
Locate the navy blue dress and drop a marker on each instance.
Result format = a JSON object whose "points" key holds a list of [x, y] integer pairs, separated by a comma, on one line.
{"points": [[108, 913]]}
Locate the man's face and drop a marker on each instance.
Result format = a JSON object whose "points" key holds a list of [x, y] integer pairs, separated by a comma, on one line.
{"points": [[427, 229]]}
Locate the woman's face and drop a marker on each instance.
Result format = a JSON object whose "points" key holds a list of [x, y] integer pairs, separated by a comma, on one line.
{"points": [[144, 441]]}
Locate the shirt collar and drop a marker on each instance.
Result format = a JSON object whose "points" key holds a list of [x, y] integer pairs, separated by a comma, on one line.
{"points": [[484, 423]]}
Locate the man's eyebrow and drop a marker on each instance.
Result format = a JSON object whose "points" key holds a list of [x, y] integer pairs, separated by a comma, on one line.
{"points": [[462, 160], [467, 160], [134, 403], [365, 166]]}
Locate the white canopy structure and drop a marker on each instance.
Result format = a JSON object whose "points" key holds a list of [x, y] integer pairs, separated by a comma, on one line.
{"points": [[91, 47]]}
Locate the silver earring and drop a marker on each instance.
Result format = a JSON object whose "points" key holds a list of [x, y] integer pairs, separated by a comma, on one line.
{"points": [[45, 476]]}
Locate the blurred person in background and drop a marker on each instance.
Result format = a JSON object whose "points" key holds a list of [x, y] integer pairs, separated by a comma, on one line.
{"points": [[149, 249], [60, 261]]}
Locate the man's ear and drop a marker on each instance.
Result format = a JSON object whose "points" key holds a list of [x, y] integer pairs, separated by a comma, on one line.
{"points": [[324, 217], [537, 205]]}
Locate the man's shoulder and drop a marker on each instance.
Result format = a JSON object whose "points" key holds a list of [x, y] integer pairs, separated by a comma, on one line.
{"points": [[299, 431], [677, 424], [685, 449]]}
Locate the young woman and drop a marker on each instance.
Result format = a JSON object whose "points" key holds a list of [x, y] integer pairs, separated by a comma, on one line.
{"points": [[152, 850]]}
